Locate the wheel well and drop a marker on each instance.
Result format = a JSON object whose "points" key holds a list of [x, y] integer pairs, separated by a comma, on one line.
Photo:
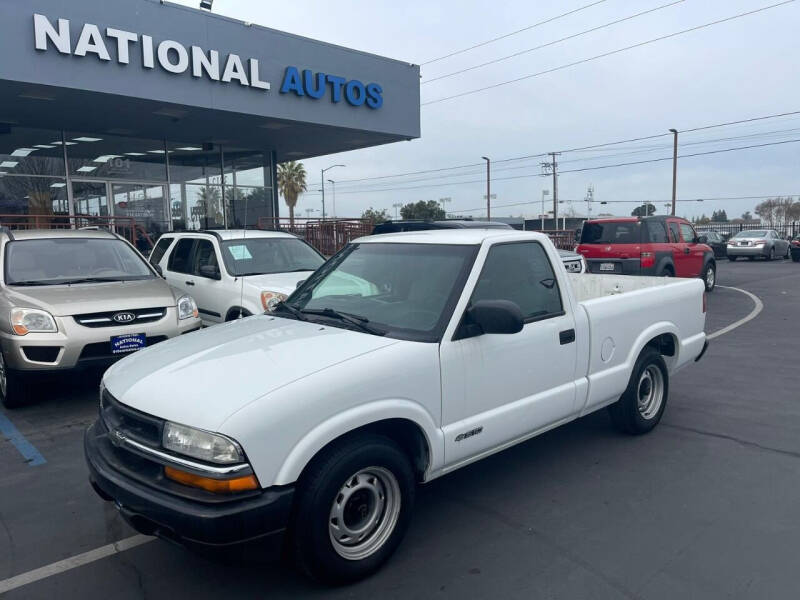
{"points": [[664, 343], [668, 267], [234, 312], [407, 434]]}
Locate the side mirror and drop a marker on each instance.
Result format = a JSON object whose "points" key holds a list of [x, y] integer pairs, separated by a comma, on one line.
{"points": [[492, 316], [702, 239], [210, 272], [159, 270]]}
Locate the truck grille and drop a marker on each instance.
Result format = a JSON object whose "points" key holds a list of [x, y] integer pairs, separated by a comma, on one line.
{"points": [[137, 425], [121, 317]]}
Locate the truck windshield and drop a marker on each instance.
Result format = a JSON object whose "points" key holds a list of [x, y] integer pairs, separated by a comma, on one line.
{"points": [[405, 291], [57, 261], [611, 232], [262, 256]]}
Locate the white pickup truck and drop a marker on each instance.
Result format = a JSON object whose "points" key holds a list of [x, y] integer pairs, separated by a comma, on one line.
{"points": [[404, 357]]}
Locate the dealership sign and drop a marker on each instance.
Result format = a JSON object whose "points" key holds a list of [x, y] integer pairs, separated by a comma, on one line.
{"points": [[174, 57]]}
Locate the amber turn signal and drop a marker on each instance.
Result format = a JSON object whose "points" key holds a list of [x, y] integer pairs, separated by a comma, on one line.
{"points": [[217, 486]]}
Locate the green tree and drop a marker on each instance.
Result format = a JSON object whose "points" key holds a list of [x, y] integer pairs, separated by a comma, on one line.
{"points": [[644, 210], [375, 216], [719, 216], [424, 211], [747, 216], [291, 183]]}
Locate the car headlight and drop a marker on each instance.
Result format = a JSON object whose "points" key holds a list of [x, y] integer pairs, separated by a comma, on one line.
{"points": [[187, 307], [269, 300], [32, 320], [210, 447]]}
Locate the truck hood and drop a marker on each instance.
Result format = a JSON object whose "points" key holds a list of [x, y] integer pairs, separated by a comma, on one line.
{"points": [[67, 300], [202, 378], [284, 283]]}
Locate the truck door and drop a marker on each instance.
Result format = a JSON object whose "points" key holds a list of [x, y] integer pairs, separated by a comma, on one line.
{"points": [[209, 291], [499, 388], [680, 251]]}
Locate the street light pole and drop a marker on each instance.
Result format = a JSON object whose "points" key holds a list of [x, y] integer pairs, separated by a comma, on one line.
{"points": [[488, 188], [333, 183], [674, 169], [322, 181]]}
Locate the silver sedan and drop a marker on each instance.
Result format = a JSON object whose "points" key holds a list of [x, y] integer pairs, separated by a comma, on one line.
{"points": [[765, 243]]}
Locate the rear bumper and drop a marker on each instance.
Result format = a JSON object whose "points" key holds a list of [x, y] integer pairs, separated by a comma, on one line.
{"points": [[622, 266], [748, 251], [260, 518]]}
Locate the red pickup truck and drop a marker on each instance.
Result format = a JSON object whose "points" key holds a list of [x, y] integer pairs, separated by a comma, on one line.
{"points": [[663, 246]]}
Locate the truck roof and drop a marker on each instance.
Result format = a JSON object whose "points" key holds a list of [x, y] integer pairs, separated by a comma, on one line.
{"points": [[466, 237]]}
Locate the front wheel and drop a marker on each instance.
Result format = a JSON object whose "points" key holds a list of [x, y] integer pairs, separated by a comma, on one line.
{"points": [[732, 258], [641, 406], [354, 506], [710, 277], [13, 391]]}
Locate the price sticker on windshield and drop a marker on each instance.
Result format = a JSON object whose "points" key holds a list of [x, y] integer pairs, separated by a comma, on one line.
{"points": [[240, 252]]}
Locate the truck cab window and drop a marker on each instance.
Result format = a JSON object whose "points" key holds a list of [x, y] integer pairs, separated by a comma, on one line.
{"points": [[521, 273]]}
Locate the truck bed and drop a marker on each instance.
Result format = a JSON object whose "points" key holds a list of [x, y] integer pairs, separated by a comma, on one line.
{"points": [[589, 287]]}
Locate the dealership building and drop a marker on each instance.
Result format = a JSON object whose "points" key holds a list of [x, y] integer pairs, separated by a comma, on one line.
{"points": [[175, 117]]}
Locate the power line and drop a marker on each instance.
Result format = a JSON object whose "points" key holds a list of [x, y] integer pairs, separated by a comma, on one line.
{"points": [[610, 53], [553, 43], [507, 35]]}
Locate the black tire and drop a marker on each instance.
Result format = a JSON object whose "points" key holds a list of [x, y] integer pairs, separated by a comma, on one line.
{"points": [[751, 258], [771, 255], [14, 393], [667, 272], [732, 258], [795, 257], [710, 272], [626, 413], [323, 483]]}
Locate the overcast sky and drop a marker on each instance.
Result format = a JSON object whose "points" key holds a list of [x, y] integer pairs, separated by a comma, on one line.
{"points": [[731, 71]]}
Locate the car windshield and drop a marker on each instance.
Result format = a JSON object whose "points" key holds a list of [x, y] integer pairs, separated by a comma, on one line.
{"points": [[405, 291], [611, 232], [262, 256], [751, 234], [54, 261]]}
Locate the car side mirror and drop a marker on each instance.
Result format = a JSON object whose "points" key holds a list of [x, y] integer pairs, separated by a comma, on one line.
{"points": [[701, 239], [210, 272], [158, 270], [492, 316]]}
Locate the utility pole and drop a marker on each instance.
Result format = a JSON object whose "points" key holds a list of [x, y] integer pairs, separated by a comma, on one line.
{"points": [[552, 167], [395, 207], [674, 169], [589, 199], [333, 183], [488, 188]]}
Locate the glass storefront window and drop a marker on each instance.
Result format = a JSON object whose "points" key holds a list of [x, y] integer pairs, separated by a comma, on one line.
{"points": [[103, 156], [194, 163], [22, 195], [25, 151], [144, 204]]}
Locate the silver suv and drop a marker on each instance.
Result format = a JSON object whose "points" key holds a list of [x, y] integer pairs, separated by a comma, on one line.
{"points": [[75, 299]]}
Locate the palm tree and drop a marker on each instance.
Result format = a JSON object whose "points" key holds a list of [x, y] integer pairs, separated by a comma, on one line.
{"points": [[291, 183]]}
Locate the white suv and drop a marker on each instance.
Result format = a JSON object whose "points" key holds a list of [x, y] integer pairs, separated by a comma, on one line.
{"points": [[234, 273]]}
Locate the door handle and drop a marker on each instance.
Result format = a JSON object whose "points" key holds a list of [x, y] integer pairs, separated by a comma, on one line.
{"points": [[189, 282], [566, 337], [686, 250]]}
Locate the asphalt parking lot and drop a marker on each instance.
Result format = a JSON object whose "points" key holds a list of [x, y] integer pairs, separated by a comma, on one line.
{"points": [[704, 507]]}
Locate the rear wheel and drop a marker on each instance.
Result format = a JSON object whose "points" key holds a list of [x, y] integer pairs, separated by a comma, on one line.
{"points": [[641, 406], [667, 272], [13, 391], [796, 257], [354, 506], [771, 255], [732, 258], [710, 277]]}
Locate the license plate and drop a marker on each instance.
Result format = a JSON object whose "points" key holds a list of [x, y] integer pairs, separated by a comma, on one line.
{"points": [[122, 344], [606, 266]]}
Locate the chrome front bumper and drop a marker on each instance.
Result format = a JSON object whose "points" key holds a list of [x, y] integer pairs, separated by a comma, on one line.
{"points": [[75, 345]]}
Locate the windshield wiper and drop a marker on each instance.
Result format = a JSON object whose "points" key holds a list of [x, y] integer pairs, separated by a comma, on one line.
{"points": [[355, 320], [291, 310], [88, 280], [31, 283]]}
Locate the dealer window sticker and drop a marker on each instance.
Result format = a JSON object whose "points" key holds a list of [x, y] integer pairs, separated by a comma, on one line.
{"points": [[240, 252]]}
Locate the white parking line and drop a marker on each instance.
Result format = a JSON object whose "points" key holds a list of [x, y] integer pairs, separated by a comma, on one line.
{"points": [[759, 306], [70, 563]]}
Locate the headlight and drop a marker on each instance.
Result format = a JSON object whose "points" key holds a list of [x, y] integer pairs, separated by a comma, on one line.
{"points": [[32, 320], [196, 443], [187, 307], [269, 300]]}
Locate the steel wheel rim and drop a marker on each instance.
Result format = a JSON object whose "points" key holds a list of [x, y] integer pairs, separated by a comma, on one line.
{"points": [[3, 376], [364, 513], [650, 392], [710, 278]]}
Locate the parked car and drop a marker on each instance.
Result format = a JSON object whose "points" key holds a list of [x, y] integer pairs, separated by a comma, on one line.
{"points": [[794, 248], [444, 348], [663, 246], [573, 262], [764, 243], [234, 273], [76, 299], [717, 242]]}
